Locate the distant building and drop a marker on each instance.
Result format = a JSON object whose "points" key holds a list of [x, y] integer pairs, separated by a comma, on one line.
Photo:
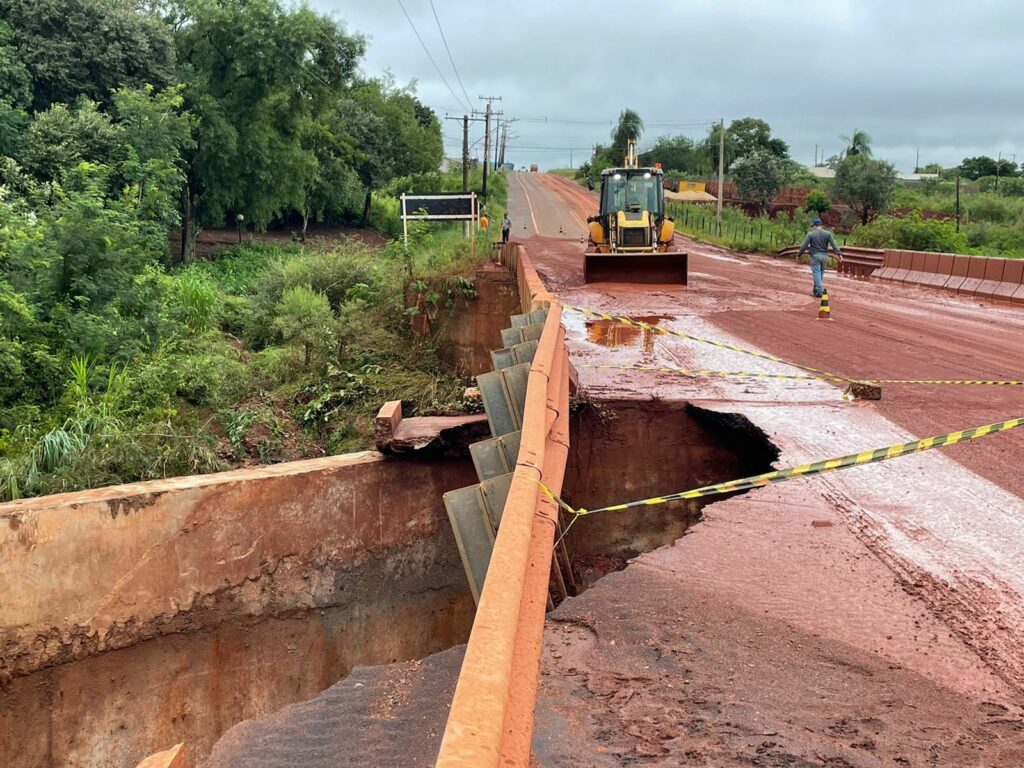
{"points": [[824, 172]]}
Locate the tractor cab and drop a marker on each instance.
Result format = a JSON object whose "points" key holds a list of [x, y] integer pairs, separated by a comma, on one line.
{"points": [[631, 237], [635, 199]]}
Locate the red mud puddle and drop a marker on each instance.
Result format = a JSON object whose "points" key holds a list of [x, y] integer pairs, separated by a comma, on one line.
{"points": [[612, 333]]}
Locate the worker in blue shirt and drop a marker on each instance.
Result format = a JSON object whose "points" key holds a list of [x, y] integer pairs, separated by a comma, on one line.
{"points": [[818, 241]]}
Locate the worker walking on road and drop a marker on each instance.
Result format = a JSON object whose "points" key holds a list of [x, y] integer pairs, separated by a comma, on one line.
{"points": [[818, 241], [506, 227]]}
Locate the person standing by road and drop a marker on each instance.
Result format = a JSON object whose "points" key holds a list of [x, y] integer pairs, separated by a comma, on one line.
{"points": [[818, 241], [506, 227]]}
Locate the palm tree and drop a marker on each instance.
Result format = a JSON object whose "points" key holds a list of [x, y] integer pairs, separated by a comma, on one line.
{"points": [[630, 127], [858, 143]]}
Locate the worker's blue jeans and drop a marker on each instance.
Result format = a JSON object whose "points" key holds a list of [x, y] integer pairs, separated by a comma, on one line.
{"points": [[818, 263]]}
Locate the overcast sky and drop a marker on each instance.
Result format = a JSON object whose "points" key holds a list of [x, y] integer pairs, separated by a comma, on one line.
{"points": [[941, 76]]}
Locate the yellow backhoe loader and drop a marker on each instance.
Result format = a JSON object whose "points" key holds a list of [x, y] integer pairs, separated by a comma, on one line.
{"points": [[631, 238]]}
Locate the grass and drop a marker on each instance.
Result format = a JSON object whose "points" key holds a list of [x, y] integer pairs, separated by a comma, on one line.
{"points": [[228, 389], [736, 230]]}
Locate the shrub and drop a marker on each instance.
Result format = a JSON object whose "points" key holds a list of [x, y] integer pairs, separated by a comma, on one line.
{"points": [[912, 233], [817, 201], [193, 301], [304, 317], [279, 365]]}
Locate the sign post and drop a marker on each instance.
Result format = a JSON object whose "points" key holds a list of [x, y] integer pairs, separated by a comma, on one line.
{"points": [[441, 206]]}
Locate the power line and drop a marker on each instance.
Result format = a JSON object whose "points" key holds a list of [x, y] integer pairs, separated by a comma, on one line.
{"points": [[426, 51], [445, 41]]}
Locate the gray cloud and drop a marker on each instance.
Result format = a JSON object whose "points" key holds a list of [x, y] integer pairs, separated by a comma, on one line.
{"points": [[941, 76]]}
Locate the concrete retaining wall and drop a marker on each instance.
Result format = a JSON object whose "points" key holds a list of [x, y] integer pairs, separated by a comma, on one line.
{"points": [[139, 616]]}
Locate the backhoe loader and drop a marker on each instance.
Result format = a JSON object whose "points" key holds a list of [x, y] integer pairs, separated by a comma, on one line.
{"points": [[631, 238]]}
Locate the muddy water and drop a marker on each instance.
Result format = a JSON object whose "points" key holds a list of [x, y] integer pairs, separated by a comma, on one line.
{"points": [[612, 333]]}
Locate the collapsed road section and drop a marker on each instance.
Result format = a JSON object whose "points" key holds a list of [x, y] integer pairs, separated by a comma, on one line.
{"points": [[866, 617]]}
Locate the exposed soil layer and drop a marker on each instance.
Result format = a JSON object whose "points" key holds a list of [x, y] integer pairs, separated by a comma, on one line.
{"points": [[632, 450]]}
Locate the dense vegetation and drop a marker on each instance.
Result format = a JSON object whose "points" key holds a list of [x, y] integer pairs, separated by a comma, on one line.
{"points": [[121, 356]]}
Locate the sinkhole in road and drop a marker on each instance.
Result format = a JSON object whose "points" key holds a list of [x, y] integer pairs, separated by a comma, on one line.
{"points": [[625, 450]]}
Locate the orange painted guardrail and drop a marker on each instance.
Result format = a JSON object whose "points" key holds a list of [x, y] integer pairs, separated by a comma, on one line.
{"points": [[491, 718]]}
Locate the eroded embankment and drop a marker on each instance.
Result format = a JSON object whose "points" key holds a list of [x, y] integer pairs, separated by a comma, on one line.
{"points": [[140, 616], [637, 448], [624, 450]]}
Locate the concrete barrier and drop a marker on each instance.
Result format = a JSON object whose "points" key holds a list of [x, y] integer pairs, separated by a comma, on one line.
{"points": [[942, 269], [958, 273], [985, 276], [142, 615], [904, 261], [993, 277], [1012, 280], [491, 718], [975, 276]]}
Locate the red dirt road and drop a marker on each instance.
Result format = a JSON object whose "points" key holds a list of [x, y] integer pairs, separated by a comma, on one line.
{"points": [[869, 617]]}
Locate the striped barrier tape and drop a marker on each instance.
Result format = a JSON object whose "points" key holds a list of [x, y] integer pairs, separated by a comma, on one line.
{"points": [[711, 342], [996, 383], [698, 373], [804, 470]]}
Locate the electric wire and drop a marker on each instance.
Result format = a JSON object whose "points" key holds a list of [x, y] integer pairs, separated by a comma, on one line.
{"points": [[427, 51], [449, 50]]}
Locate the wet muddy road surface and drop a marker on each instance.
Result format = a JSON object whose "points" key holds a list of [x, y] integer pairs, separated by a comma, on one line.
{"points": [[874, 616]]}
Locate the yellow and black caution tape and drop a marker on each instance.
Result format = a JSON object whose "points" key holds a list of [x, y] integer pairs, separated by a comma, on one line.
{"points": [[705, 373], [804, 470], [819, 374], [721, 345], [982, 382]]}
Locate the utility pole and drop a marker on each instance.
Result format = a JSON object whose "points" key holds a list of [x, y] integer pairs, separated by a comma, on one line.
{"points": [[999, 162], [721, 166], [488, 112], [504, 144], [497, 146], [917, 163], [570, 157], [465, 158]]}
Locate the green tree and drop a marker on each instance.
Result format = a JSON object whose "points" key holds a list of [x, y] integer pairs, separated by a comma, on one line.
{"points": [[751, 134], [15, 93], [759, 176], [630, 126], [256, 72], [304, 317], [976, 167], [61, 137], [157, 132], [817, 201], [866, 185], [857, 143], [711, 144], [675, 153], [75, 48], [395, 133]]}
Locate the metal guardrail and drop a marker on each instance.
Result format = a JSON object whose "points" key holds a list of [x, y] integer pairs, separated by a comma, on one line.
{"points": [[491, 718], [857, 262]]}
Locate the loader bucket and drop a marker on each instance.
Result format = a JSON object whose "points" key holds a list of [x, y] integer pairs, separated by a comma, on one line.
{"points": [[644, 268]]}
